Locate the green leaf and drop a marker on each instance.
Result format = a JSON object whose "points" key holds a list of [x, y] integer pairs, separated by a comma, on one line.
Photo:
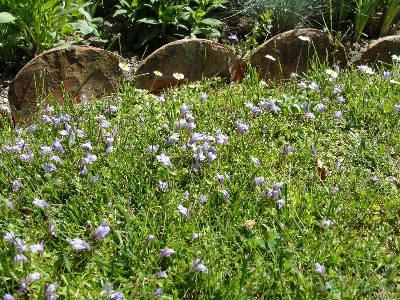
{"points": [[120, 12], [207, 31], [6, 17], [97, 20], [149, 21], [86, 14], [211, 22], [82, 26], [168, 17]]}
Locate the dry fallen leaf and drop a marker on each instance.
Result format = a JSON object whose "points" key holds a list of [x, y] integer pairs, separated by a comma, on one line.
{"points": [[321, 169]]}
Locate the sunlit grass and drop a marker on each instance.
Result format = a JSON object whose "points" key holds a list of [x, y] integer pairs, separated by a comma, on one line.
{"points": [[242, 191]]}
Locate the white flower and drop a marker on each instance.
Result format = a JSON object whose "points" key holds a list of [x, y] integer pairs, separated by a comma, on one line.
{"points": [[270, 57], [366, 69], [178, 76], [393, 81], [124, 67], [331, 73], [396, 57], [304, 38], [158, 73]]}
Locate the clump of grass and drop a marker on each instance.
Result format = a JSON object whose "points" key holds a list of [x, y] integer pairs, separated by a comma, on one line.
{"points": [[209, 191]]}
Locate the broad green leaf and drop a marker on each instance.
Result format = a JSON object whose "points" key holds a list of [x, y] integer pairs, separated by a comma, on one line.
{"points": [[149, 21], [82, 26], [211, 22], [120, 12], [6, 17], [97, 20], [86, 14]]}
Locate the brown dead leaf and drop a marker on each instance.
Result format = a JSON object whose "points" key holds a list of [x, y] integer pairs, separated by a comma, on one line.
{"points": [[321, 169]]}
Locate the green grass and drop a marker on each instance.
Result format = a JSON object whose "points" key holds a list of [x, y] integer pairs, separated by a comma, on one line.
{"points": [[276, 258]]}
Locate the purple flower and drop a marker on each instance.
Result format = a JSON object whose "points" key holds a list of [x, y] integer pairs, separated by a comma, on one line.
{"points": [[198, 265], [106, 289], [22, 286], [340, 100], [338, 115], [327, 286], [49, 167], [320, 107], [309, 115], [163, 185], [233, 38], [51, 231], [255, 160], [258, 181], [220, 178], [313, 151], [87, 146], [37, 248], [8, 297], [320, 269], [80, 133], [281, 202], [184, 211], [202, 199], [46, 149], [161, 98], [165, 160], [101, 231], [20, 257], [335, 190], [56, 159], [391, 178], [84, 171], [151, 149], [158, 292], [288, 149], [149, 238], [90, 158], [94, 178], [338, 89], [10, 237], [49, 290], [305, 106], [326, 222], [57, 146], [302, 84], [31, 128], [396, 107], [16, 184], [221, 138], [40, 203], [195, 235], [211, 157], [203, 97], [242, 128], [314, 87], [173, 138], [78, 244], [116, 295], [386, 74], [167, 252], [185, 108], [162, 274], [225, 194]]}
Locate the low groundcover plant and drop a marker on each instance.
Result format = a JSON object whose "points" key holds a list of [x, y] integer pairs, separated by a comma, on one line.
{"points": [[218, 191]]}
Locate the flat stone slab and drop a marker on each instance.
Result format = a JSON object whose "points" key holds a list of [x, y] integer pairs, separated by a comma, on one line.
{"points": [[294, 54], [379, 51], [194, 58], [67, 67]]}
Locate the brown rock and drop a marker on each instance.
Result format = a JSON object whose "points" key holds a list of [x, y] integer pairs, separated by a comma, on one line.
{"points": [[380, 51], [194, 58], [295, 55], [67, 66]]}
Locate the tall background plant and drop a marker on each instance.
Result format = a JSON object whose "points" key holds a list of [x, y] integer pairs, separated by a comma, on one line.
{"points": [[29, 27]]}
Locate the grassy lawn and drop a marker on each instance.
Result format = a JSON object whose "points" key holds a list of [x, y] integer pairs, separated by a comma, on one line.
{"points": [[241, 191]]}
